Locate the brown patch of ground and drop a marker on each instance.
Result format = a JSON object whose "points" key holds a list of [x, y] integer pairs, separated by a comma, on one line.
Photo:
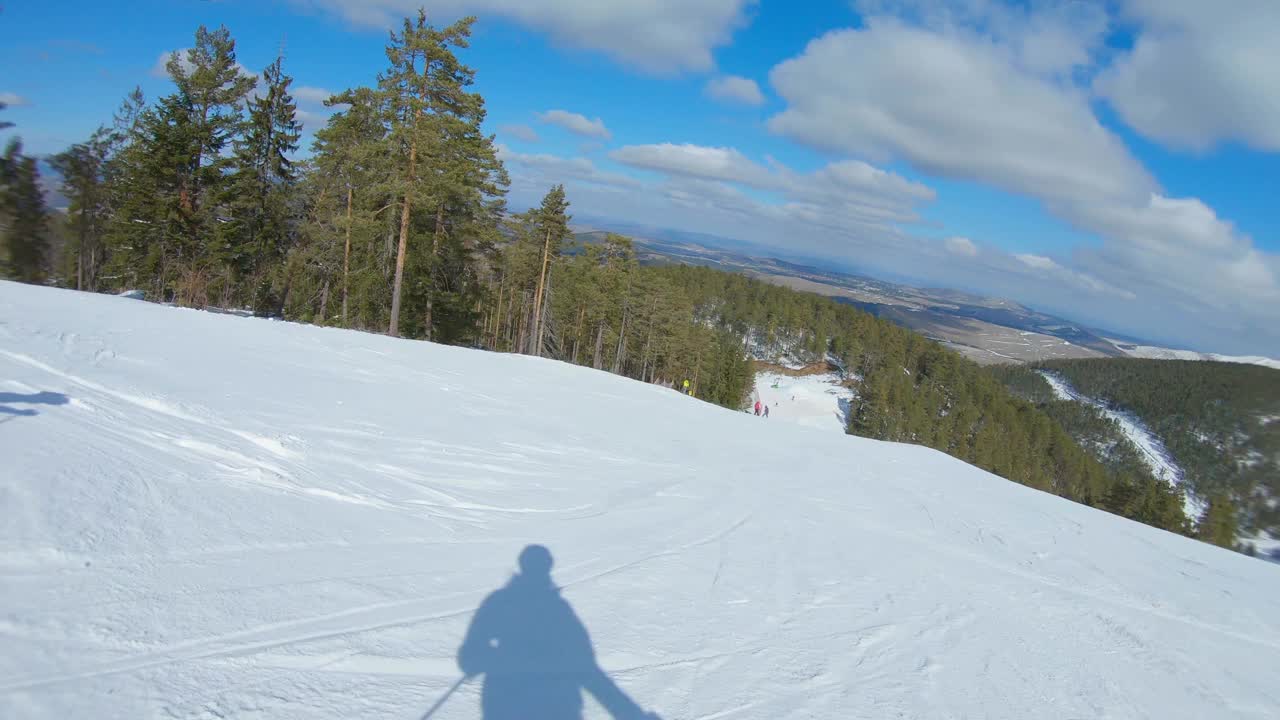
{"points": [[811, 369]]}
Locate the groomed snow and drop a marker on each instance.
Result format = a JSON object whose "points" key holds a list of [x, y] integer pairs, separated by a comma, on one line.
{"points": [[817, 401], [207, 516]]}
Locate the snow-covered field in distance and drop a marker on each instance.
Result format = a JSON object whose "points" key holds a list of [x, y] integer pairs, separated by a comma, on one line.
{"points": [[1160, 353], [212, 516]]}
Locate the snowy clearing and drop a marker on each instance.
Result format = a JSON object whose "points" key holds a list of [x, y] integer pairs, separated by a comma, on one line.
{"points": [[1150, 447], [817, 401], [208, 516]]}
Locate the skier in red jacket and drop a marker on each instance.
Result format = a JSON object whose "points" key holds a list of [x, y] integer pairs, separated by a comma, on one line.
{"points": [[757, 407]]}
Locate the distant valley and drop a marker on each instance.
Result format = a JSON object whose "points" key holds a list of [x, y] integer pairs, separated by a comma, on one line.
{"points": [[986, 330]]}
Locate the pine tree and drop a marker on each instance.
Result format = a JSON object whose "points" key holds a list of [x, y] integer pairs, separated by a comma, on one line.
{"points": [[1218, 523], [424, 83], [84, 168], [146, 232], [4, 124], [553, 226], [174, 172], [348, 186], [467, 184], [24, 241], [259, 227]]}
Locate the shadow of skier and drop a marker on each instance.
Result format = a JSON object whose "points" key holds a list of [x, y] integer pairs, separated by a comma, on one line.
{"points": [[535, 653], [40, 398]]}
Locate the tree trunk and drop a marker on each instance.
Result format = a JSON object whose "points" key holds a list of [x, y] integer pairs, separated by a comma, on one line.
{"points": [[524, 327], [537, 298], [511, 321], [697, 368], [648, 342], [595, 359], [497, 313], [543, 315], [289, 268], [431, 268], [622, 330], [403, 249], [346, 260], [622, 344], [577, 334], [528, 325], [324, 301]]}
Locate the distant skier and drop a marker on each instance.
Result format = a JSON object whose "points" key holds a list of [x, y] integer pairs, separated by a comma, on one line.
{"points": [[766, 411], [687, 391], [757, 407]]}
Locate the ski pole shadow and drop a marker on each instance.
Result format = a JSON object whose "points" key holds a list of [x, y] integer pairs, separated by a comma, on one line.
{"points": [[535, 653], [8, 399]]}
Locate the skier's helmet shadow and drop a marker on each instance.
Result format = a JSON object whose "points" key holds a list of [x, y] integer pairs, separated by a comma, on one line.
{"points": [[535, 653]]}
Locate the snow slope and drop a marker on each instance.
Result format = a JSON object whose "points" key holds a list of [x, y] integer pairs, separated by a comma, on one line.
{"points": [[1150, 448], [1153, 352], [207, 516], [817, 401]]}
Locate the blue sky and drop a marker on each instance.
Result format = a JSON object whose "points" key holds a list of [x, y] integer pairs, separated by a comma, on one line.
{"points": [[1114, 162]]}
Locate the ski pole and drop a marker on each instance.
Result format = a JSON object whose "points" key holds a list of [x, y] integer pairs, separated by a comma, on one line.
{"points": [[452, 689]]}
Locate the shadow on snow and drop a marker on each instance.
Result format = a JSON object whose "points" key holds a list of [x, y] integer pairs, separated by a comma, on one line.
{"points": [[535, 654]]}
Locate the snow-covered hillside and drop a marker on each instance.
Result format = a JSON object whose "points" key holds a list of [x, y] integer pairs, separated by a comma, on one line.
{"points": [[1160, 353], [207, 516]]}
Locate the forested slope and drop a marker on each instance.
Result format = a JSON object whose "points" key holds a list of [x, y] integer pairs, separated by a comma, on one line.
{"points": [[1220, 421]]}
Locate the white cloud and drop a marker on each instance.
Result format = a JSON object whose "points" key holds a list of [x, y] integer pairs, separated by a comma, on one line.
{"points": [[847, 192], [956, 97], [13, 99], [551, 169], [310, 94], [731, 88], [311, 119], [1180, 249], [1200, 73], [846, 176], [519, 131], [160, 68], [961, 246], [1050, 268], [576, 124], [1046, 37], [652, 35], [709, 163], [951, 105]]}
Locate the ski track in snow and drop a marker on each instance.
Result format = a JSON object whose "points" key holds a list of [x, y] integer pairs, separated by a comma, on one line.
{"points": [[1150, 448], [209, 516]]}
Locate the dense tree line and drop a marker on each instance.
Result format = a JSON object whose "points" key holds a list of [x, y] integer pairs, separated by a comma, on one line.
{"points": [[1220, 421], [396, 222], [912, 389], [1090, 428], [1134, 492]]}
